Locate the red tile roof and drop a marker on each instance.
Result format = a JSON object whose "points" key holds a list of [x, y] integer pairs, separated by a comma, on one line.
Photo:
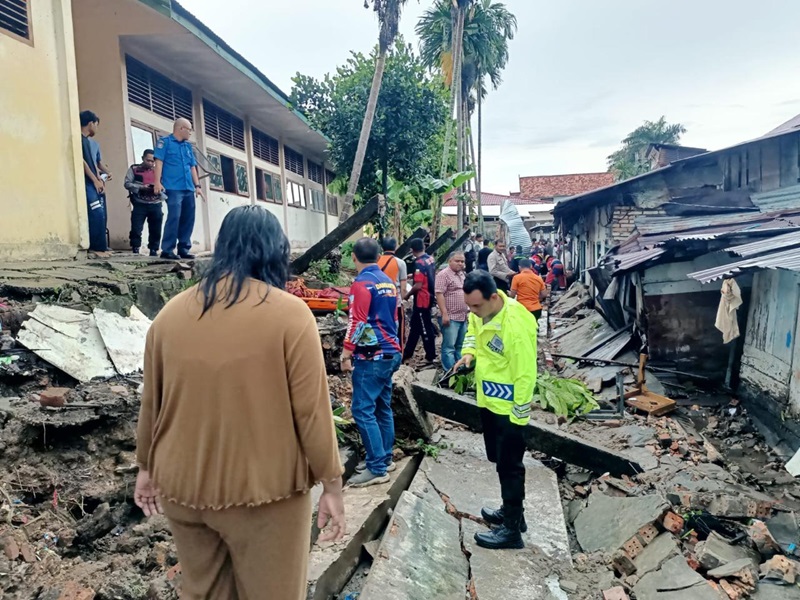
{"points": [[489, 199], [551, 186]]}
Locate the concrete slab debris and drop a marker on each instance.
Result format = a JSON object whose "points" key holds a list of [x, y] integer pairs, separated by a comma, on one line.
{"points": [[732, 569], [655, 554], [67, 339], [491, 570], [124, 339], [675, 581], [332, 564], [715, 552], [469, 480], [607, 523], [768, 591], [407, 414], [419, 557]]}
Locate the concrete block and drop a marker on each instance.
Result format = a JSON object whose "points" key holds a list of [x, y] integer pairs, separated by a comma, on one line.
{"points": [[656, 554], [409, 419], [715, 552], [675, 581], [607, 523], [469, 480], [419, 557], [367, 509]]}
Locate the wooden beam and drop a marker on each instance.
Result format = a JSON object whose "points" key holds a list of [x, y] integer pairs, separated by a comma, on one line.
{"points": [[539, 437], [440, 241], [455, 245], [406, 246], [339, 235]]}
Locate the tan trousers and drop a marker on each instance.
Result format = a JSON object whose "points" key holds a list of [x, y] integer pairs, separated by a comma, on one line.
{"points": [[243, 553]]}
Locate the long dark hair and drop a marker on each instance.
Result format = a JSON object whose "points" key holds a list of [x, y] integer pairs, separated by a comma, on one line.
{"points": [[250, 245]]}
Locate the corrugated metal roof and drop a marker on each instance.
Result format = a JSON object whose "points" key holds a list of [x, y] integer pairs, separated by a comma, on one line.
{"points": [[702, 223], [781, 199], [774, 243], [786, 259], [612, 348], [623, 262]]}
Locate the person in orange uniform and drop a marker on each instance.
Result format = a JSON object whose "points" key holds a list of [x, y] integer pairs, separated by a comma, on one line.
{"points": [[529, 288]]}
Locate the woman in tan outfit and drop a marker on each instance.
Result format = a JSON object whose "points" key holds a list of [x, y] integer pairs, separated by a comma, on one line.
{"points": [[236, 425]]}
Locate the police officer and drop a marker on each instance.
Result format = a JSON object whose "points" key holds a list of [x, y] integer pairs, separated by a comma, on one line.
{"points": [[176, 174], [501, 345]]}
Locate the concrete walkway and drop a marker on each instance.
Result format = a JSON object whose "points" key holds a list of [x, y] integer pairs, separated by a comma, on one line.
{"points": [[432, 531]]}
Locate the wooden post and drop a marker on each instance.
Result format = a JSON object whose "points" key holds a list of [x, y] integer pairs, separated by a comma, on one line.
{"points": [[454, 246], [321, 249]]}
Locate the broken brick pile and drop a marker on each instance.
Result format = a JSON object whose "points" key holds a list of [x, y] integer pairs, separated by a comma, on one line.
{"points": [[688, 525]]}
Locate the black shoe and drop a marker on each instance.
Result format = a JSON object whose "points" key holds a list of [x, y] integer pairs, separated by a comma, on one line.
{"points": [[500, 539], [153, 252], [508, 536], [187, 256], [495, 517], [170, 256], [135, 250]]}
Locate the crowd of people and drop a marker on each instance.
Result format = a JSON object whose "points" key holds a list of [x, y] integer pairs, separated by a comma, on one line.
{"points": [[235, 422], [167, 174]]}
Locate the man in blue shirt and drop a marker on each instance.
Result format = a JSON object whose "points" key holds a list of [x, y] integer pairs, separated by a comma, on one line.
{"points": [[176, 175], [95, 186]]}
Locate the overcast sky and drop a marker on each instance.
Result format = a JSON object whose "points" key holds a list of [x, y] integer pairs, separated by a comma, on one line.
{"points": [[582, 73]]}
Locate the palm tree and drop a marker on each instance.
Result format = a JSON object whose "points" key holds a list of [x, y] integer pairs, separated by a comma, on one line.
{"points": [[485, 28], [388, 13], [630, 159]]}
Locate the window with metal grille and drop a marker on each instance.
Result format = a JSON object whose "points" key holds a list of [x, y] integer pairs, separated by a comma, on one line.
{"points": [[294, 161], [329, 176], [315, 172], [222, 125], [151, 90], [15, 18], [265, 147]]}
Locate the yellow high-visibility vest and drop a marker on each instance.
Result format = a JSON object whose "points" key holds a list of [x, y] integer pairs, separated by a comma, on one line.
{"points": [[504, 351]]}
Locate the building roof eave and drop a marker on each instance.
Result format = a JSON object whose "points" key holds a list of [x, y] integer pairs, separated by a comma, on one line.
{"points": [[195, 26]]}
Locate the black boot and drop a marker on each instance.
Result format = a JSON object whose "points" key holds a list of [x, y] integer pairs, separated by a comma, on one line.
{"points": [[506, 537], [495, 517]]}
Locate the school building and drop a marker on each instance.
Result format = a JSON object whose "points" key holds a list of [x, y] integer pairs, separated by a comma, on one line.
{"points": [[140, 64]]}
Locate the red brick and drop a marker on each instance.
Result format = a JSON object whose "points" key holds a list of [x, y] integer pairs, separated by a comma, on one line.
{"points": [[27, 553], [73, 591], [55, 397], [633, 547], [11, 549], [673, 522], [648, 533], [615, 593]]}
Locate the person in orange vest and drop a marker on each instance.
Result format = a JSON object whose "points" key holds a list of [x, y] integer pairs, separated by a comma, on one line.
{"points": [[396, 270]]}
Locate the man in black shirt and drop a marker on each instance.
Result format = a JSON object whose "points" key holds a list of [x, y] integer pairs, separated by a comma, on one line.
{"points": [[483, 257]]}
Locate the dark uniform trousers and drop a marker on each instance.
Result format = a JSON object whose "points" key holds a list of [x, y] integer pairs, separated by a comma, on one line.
{"points": [[505, 447]]}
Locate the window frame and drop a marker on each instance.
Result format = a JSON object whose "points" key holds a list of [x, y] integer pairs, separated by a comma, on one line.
{"points": [[25, 40], [320, 194], [303, 205], [240, 163], [208, 107], [211, 185], [276, 198], [335, 199]]}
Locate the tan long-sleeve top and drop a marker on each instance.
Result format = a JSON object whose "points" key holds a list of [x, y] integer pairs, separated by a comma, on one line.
{"points": [[235, 409]]}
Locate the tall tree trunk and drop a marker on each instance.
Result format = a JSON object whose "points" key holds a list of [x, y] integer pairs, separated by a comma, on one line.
{"points": [[477, 182], [479, 162], [363, 140], [457, 51], [457, 62]]}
